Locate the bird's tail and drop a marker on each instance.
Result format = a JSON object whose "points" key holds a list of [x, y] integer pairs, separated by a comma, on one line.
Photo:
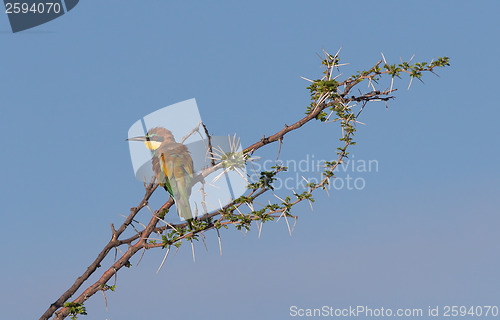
{"points": [[183, 208], [182, 203]]}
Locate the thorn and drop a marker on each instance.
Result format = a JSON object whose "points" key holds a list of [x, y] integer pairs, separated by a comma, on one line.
{"points": [[278, 197], [288, 225], [220, 244], [250, 206], [165, 222], [142, 255], [192, 248], [409, 85], [305, 179], [105, 300], [295, 223], [203, 239], [239, 210], [337, 76], [164, 258], [373, 87], [383, 57], [307, 79], [337, 54], [120, 251], [280, 140]]}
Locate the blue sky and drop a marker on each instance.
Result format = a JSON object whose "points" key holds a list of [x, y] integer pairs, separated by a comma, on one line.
{"points": [[424, 231]]}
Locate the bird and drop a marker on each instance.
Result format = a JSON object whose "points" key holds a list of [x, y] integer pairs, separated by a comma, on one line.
{"points": [[172, 166]]}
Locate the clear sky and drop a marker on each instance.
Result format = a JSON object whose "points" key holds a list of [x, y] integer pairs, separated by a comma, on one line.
{"points": [[423, 231]]}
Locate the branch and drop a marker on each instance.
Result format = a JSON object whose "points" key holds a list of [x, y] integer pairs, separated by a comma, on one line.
{"points": [[326, 95]]}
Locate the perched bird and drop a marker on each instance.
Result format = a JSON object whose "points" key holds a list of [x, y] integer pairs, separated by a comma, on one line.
{"points": [[172, 165]]}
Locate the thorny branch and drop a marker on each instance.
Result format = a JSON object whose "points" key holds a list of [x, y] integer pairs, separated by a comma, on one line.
{"points": [[326, 95]]}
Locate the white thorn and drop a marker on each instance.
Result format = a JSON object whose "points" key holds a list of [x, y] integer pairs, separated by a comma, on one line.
{"points": [[288, 225], [409, 85], [307, 79], [192, 248], [164, 258], [278, 198], [220, 244], [383, 57]]}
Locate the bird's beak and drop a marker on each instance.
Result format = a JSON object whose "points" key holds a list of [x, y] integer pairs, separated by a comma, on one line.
{"points": [[137, 139], [151, 145]]}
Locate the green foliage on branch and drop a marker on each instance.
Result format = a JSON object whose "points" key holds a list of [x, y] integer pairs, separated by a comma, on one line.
{"points": [[75, 309]]}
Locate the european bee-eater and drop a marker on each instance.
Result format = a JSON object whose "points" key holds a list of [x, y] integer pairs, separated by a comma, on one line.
{"points": [[172, 165]]}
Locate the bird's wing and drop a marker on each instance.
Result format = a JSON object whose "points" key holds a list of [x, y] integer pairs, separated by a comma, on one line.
{"points": [[174, 165], [161, 169], [178, 167]]}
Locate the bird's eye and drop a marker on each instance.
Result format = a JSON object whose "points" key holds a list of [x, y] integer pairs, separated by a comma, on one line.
{"points": [[153, 137]]}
